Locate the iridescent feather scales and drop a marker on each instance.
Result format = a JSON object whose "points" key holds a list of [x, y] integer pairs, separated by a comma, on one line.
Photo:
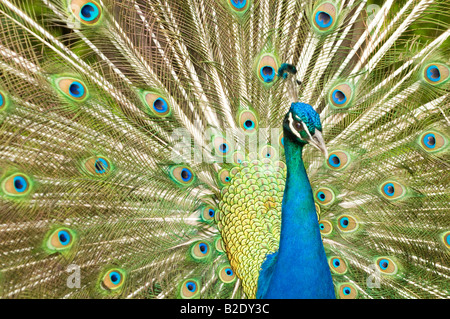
{"points": [[91, 93]]}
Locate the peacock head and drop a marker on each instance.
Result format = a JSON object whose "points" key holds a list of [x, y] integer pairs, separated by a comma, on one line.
{"points": [[302, 126]]}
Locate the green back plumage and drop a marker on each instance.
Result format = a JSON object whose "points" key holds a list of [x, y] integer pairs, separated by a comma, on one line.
{"points": [[122, 144]]}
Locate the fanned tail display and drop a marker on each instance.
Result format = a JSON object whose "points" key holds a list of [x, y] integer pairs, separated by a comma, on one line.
{"points": [[142, 151]]}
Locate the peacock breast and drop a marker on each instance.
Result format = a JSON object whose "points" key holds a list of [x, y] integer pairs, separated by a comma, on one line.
{"points": [[249, 216]]}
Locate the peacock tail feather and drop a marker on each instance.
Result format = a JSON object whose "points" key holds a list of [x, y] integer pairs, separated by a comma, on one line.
{"points": [[142, 156]]}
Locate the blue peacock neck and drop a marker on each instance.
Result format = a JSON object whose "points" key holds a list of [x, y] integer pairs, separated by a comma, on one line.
{"points": [[301, 269]]}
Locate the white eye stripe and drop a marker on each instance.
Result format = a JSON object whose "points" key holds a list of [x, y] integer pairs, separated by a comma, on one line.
{"points": [[296, 133], [291, 126]]}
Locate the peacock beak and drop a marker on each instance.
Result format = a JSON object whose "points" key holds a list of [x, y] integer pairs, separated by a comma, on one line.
{"points": [[317, 141]]}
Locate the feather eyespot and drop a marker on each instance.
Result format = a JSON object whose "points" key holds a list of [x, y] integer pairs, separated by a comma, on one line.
{"points": [[436, 73], [267, 69], [226, 274], [392, 190], [248, 122], [324, 196], [386, 265], [222, 147], [73, 89], [340, 96], [338, 160], [224, 177], [183, 175], [432, 141], [98, 166], [208, 213], [190, 288], [338, 265], [200, 250], [61, 239], [324, 17], [325, 227], [157, 105], [86, 11], [16, 185], [239, 6], [269, 152], [238, 158], [347, 224], [113, 279], [347, 291]]}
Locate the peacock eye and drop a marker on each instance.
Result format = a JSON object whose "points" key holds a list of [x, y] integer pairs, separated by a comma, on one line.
{"points": [[340, 96], [239, 6], [157, 105], [189, 289], [267, 73], [191, 286], [338, 265], [64, 237], [86, 11], [269, 152], [392, 190], [89, 12], [221, 146], [60, 239], [186, 174], [324, 196], [267, 69], [160, 105], [98, 166], [72, 88], [208, 213], [386, 265], [200, 250], [436, 73], [183, 175], [248, 121], [16, 185], [226, 274], [324, 17], [432, 141], [338, 160], [113, 279], [325, 227], [347, 291], [224, 177], [238, 158], [347, 223]]}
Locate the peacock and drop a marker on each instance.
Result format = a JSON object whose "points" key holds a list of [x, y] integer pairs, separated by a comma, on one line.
{"points": [[160, 149]]}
